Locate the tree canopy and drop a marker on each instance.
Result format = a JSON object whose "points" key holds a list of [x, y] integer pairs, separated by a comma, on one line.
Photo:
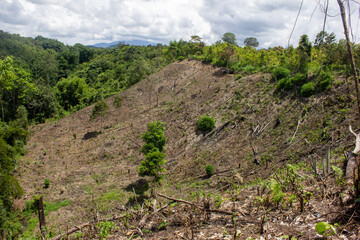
{"points": [[251, 42]]}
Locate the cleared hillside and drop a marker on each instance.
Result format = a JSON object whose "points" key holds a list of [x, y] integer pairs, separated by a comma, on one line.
{"points": [[258, 132]]}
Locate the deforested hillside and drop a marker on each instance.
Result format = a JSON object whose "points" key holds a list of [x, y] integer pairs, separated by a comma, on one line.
{"points": [[262, 151]]}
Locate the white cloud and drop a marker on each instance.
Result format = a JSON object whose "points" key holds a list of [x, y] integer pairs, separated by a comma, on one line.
{"points": [[91, 21]]}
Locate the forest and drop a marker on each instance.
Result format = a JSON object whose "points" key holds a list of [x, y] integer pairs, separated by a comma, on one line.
{"points": [[43, 80]]}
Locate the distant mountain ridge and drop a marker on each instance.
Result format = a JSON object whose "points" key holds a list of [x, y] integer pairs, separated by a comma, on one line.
{"points": [[130, 42]]}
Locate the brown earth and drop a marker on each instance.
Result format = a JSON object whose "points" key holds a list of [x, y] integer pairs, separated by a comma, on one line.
{"points": [[258, 131]]}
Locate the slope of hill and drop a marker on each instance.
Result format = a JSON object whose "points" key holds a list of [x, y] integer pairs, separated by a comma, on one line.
{"points": [[92, 165]]}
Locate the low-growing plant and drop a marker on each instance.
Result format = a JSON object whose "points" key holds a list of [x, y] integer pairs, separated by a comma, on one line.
{"points": [[308, 89], [280, 73], [298, 79], [206, 123], [105, 228], [209, 169], [325, 80], [46, 183], [238, 76], [117, 101], [100, 108], [326, 229], [284, 84], [162, 225]]}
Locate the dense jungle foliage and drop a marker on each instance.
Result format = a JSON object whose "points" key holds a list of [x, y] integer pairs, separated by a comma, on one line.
{"points": [[43, 79]]}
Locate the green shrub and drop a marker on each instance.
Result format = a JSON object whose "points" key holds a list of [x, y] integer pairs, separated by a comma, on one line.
{"points": [[298, 79], [100, 108], [209, 169], [308, 89], [238, 76], [290, 83], [117, 101], [206, 123], [280, 73], [284, 84], [46, 183], [325, 80]]}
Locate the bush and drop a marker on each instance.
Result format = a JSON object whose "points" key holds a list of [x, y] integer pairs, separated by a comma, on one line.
{"points": [[284, 84], [206, 123], [292, 82], [325, 80], [209, 169], [100, 108], [308, 89], [238, 76], [298, 79], [280, 73], [46, 183], [117, 101]]}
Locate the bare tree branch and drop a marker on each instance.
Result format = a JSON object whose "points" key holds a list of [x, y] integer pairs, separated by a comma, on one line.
{"points": [[297, 17]]}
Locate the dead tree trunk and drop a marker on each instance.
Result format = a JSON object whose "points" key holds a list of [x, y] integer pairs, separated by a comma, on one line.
{"points": [[40, 207], [351, 56], [352, 176]]}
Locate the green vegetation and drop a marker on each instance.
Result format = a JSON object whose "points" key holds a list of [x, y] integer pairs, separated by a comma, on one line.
{"points": [[326, 229], [209, 169], [46, 183], [153, 150], [280, 73], [206, 123], [99, 109], [308, 89], [117, 101]]}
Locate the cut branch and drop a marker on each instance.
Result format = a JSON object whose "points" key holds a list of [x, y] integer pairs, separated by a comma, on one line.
{"points": [[194, 204]]}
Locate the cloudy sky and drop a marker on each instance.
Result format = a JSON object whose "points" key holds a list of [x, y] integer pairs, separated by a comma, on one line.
{"points": [[94, 21]]}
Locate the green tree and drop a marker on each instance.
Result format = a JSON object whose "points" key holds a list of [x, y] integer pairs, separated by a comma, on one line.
{"points": [[16, 88], [74, 93], [229, 38], [324, 39], [251, 42], [304, 53], [152, 166], [153, 150], [154, 137]]}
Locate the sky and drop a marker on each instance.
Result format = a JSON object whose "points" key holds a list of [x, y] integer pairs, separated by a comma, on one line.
{"points": [[160, 21]]}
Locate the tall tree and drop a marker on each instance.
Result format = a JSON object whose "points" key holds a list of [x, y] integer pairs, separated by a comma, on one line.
{"points": [[229, 38], [251, 42]]}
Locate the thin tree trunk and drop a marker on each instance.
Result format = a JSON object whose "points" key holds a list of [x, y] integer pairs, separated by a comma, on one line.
{"points": [[348, 43]]}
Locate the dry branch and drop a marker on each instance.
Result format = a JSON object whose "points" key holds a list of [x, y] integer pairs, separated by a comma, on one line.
{"points": [[297, 127], [194, 204], [147, 216]]}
